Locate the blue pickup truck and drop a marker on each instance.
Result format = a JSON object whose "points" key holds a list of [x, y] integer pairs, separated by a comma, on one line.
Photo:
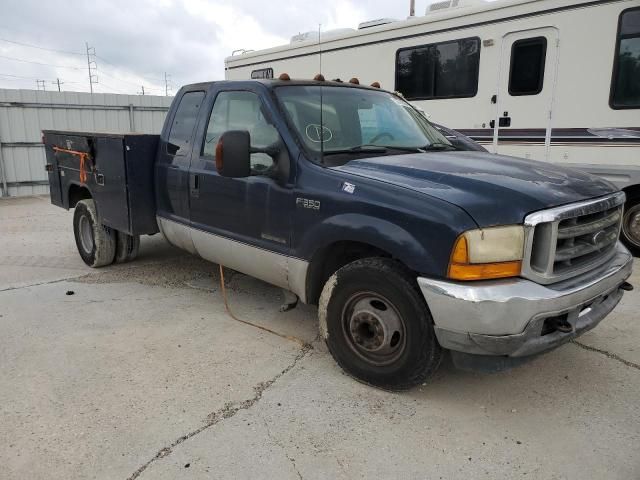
{"points": [[410, 242]]}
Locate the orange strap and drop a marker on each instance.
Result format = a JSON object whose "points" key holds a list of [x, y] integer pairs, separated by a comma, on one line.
{"points": [[226, 306], [83, 157]]}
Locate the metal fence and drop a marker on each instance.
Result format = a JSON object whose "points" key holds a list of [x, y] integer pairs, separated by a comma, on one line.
{"points": [[25, 113]]}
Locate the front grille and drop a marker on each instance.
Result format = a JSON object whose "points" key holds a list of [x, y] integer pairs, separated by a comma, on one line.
{"points": [[566, 241]]}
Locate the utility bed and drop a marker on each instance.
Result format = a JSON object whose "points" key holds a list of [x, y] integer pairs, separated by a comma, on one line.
{"points": [[117, 169]]}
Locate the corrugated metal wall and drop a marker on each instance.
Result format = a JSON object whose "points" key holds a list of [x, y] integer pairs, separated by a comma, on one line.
{"points": [[25, 113]]}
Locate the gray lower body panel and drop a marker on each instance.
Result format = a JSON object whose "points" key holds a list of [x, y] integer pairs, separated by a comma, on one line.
{"points": [[274, 268]]}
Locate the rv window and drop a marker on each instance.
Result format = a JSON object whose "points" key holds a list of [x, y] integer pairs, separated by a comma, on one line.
{"points": [[183, 123], [526, 73], [439, 70], [625, 88]]}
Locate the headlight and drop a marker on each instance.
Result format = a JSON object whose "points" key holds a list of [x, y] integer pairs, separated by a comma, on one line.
{"points": [[487, 253]]}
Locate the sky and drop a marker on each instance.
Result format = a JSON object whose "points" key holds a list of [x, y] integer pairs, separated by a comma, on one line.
{"points": [[137, 41]]}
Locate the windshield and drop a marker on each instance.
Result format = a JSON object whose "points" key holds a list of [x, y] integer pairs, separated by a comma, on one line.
{"points": [[356, 121]]}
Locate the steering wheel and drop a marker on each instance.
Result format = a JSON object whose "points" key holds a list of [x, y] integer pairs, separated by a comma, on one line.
{"points": [[382, 135]]}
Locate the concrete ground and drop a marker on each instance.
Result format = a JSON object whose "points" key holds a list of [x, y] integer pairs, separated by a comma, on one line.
{"points": [[137, 371]]}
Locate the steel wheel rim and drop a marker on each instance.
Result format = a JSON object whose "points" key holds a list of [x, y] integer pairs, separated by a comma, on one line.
{"points": [[631, 225], [85, 231], [373, 328]]}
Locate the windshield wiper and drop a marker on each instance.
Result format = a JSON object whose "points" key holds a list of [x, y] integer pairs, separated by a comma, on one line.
{"points": [[358, 149], [439, 146], [372, 148]]}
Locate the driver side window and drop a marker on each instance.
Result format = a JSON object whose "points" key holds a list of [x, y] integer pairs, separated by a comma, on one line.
{"points": [[241, 111]]}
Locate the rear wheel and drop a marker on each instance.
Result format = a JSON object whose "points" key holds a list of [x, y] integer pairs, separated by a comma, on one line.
{"points": [[377, 326], [96, 243], [631, 225], [127, 247]]}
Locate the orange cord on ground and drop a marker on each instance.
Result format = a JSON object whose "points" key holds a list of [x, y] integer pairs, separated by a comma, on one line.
{"points": [[83, 157], [226, 305]]}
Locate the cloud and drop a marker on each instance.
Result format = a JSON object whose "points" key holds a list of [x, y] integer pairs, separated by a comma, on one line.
{"points": [[137, 41]]}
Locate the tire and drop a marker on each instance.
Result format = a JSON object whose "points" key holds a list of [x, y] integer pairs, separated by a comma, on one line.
{"points": [[96, 243], [630, 234], [377, 326], [127, 247]]}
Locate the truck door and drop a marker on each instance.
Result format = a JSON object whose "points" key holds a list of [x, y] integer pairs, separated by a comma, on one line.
{"points": [[526, 85], [243, 223], [174, 156]]}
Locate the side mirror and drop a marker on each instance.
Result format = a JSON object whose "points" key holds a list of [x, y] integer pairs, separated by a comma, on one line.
{"points": [[233, 153]]}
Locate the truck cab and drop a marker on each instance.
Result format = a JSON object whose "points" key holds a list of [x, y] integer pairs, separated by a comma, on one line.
{"points": [[349, 198]]}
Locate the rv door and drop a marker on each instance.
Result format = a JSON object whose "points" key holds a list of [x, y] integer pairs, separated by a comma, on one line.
{"points": [[525, 96]]}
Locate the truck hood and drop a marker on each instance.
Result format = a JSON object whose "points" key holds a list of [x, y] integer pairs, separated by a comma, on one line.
{"points": [[493, 189]]}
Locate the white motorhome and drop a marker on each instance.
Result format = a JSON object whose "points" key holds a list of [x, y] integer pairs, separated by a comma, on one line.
{"points": [[555, 80]]}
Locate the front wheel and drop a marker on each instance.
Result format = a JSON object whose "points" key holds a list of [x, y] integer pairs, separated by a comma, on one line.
{"points": [[377, 326], [96, 243], [630, 235]]}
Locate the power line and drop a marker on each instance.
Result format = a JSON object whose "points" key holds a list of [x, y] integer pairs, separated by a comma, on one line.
{"points": [[17, 77], [112, 88], [20, 78], [119, 79], [40, 63], [40, 48], [92, 67], [151, 80]]}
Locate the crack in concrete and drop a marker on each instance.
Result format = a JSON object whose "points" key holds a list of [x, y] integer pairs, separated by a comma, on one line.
{"points": [[610, 355], [38, 284], [227, 411], [284, 450]]}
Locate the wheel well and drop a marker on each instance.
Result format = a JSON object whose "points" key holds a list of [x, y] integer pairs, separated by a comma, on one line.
{"points": [[632, 191], [77, 193], [327, 260]]}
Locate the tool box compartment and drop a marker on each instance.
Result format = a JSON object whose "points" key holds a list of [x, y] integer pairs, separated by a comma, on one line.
{"points": [[116, 170]]}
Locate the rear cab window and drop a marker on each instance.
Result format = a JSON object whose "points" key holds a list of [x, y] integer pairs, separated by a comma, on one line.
{"points": [[184, 122]]}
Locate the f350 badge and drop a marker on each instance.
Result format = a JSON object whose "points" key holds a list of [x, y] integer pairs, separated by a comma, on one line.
{"points": [[308, 203]]}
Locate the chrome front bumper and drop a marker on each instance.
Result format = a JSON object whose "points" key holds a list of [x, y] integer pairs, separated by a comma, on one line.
{"points": [[511, 317]]}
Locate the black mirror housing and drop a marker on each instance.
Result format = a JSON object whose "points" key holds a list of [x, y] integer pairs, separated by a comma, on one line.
{"points": [[233, 154]]}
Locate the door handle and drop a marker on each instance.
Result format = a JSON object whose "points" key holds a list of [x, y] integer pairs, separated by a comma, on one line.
{"points": [[194, 184]]}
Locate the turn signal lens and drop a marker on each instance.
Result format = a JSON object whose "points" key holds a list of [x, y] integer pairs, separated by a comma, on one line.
{"points": [[484, 271], [487, 253], [460, 251]]}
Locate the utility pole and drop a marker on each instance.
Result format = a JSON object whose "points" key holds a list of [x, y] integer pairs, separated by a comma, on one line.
{"points": [[142, 92], [167, 78], [92, 65], [58, 82], [412, 8], [40, 83]]}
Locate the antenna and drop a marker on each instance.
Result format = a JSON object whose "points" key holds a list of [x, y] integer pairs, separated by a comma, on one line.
{"points": [[321, 107]]}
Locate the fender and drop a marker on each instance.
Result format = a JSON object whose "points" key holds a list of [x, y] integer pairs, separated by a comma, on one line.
{"points": [[373, 231], [66, 197]]}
